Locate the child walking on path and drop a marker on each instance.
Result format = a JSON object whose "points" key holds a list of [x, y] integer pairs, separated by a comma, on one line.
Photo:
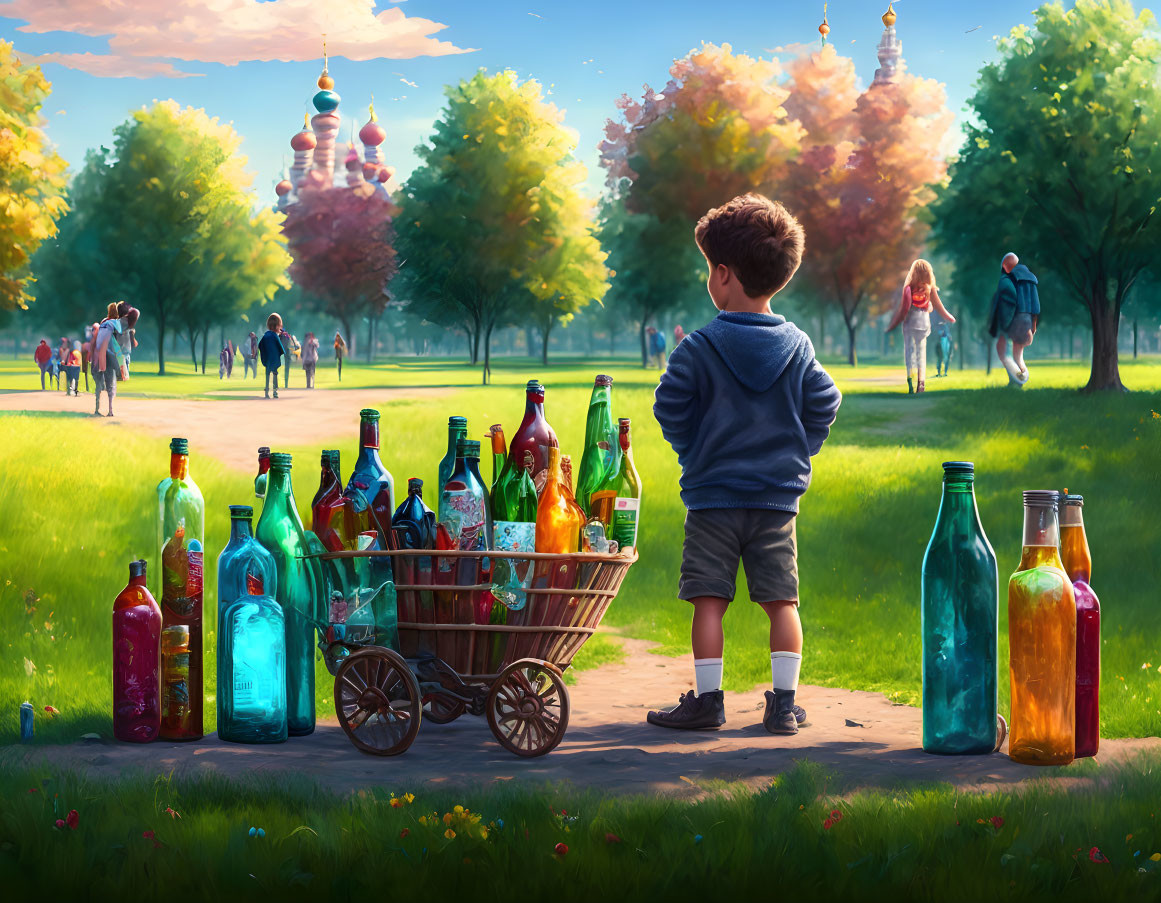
{"points": [[73, 369], [340, 350], [745, 405], [270, 348], [310, 358], [920, 295]]}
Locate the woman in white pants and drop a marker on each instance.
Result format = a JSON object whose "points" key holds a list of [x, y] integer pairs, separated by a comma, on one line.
{"points": [[920, 296]]}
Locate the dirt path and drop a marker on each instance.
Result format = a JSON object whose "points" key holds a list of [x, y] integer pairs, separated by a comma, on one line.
{"points": [[608, 746], [231, 427]]}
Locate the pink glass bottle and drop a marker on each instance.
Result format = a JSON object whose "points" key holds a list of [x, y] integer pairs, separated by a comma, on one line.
{"points": [[534, 435], [136, 660], [1077, 560]]}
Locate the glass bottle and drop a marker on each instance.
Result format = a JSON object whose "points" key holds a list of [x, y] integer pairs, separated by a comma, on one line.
{"points": [[1077, 561], [566, 474], [176, 701], [136, 660], [263, 469], [1042, 642], [527, 500], [464, 501], [617, 501], [558, 522], [251, 639], [327, 505], [181, 519], [959, 622], [601, 447], [281, 533], [373, 481], [457, 429], [413, 521], [505, 477], [534, 435], [472, 460]]}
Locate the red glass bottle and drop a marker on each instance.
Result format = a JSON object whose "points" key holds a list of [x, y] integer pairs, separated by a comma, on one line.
{"points": [[534, 435], [326, 509], [136, 660], [263, 471], [1074, 552]]}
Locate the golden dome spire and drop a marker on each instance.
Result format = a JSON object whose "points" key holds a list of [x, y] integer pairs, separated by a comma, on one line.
{"points": [[889, 15], [325, 82], [824, 28]]}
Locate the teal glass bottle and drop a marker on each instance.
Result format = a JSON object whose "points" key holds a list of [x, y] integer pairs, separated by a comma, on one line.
{"points": [[457, 429], [960, 624], [299, 577], [251, 639]]}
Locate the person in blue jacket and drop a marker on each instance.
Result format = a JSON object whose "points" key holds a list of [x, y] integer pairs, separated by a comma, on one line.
{"points": [[1015, 315], [271, 351]]}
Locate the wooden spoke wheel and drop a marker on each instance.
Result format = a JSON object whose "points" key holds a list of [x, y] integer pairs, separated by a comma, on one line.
{"points": [[377, 701], [441, 709], [1001, 732], [527, 708]]}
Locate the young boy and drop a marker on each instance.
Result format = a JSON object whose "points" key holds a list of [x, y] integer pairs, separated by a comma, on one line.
{"points": [[270, 348], [745, 405]]}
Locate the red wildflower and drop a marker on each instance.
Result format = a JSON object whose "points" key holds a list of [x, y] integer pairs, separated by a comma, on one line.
{"points": [[612, 838], [60, 822], [148, 835], [72, 819], [1096, 855], [835, 814], [997, 822], [560, 849], [827, 824], [403, 834], [33, 790], [171, 813]]}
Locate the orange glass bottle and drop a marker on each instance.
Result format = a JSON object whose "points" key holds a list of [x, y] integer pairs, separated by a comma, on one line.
{"points": [[558, 518], [1042, 642]]}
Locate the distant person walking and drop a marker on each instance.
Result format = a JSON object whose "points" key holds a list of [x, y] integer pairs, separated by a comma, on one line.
{"points": [[87, 351], [285, 340], [272, 352], [250, 355], [310, 358], [42, 355], [943, 349], [63, 350], [919, 297], [678, 335], [340, 352], [73, 364], [656, 344], [225, 361], [1015, 315]]}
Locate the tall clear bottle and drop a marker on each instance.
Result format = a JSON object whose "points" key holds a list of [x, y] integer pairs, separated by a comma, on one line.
{"points": [[959, 621], [1077, 561], [534, 435], [617, 501], [251, 639], [601, 446], [180, 538], [457, 429], [1042, 642], [281, 533], [136, 660]]}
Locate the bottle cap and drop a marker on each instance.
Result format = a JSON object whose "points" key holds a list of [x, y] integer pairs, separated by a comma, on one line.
{"points": [[264, 451], [334, 456], [415, 485], [241, 511], [457, 422], [534, 386], [137, 568], [280, 459], [1073, 498], [495, 428], [368, 414], [1041, 498], [179, 446], [603, 380], [624, 422], [468, 448]]}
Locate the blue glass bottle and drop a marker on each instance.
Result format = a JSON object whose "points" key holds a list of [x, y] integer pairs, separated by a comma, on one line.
{"points": [[457, 429], [281, 533], [372, 480], [960, 618], [251, 639]]}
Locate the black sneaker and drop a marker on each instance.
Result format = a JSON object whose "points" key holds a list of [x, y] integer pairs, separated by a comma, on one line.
{"points": [[782, 716], [693, 712]]}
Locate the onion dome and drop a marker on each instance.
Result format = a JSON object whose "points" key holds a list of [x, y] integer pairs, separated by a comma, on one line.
{"points": [[370, 171], [352, 159], [305, 139], [325, 81], [372, 134], [824, 28], [889, 16], [283, 188], [326, 100]]}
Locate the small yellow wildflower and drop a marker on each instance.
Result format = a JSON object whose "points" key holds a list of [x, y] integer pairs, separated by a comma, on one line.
{"points": [[409, 798], [449, 834]]}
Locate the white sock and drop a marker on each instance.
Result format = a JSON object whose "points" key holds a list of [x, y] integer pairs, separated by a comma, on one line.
{"points": [[1010, 365], [784, 668], [708, 674]]}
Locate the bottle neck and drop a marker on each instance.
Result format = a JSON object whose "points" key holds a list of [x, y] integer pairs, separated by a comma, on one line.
{"points": [[137, 581], [534, 406], [1040, 526], [454, 435], [263, 466], [178, 466], [278, 487], [240, 528], [368, 436], [958, 495]]}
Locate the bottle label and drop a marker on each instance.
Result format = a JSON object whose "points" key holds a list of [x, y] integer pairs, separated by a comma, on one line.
{"points": [[254, 584], [194, 584], [624, 526]]}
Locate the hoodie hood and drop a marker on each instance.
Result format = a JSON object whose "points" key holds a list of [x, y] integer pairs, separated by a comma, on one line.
{"points": [[1021, 273], [756, 347]]}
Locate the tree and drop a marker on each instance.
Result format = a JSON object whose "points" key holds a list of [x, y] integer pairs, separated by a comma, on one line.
{"points": [[860, 184], [493, 219], [1062, 162], [166, 217], [341, 240], [32, 181]]}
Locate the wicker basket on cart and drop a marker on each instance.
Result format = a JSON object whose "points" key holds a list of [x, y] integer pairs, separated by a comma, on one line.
{"points": [[463, 650]]}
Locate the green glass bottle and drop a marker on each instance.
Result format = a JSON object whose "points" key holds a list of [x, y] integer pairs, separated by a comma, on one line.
{"points": [[601, 447], [457, 429], [617, 501], [281, 533]]}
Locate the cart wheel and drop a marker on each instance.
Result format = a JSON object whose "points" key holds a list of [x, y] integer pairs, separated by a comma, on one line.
{"points": [[1001, 732], [440, 709], [377, 701], [527, 708]]}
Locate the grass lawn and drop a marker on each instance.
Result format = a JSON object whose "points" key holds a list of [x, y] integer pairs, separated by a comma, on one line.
{"points": [[1046, 843], [74, 509]]}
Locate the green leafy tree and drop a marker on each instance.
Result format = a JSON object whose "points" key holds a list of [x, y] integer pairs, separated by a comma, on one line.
{"points": [[32, 180], [493, 219], [1062, 163], [166, 218]]}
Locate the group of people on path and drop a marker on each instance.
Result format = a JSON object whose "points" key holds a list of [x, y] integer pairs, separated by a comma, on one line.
{"points": [[105, 353], [288, 347]]}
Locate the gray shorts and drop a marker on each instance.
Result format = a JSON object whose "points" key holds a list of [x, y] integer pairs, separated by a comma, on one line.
{"points": [[716, 539], [1020, 329]]}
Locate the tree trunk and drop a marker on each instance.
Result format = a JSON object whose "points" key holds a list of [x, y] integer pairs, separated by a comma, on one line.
{"points": [[1071, 343], [205, 341], [1105, 374], [959, 341], [476, 346], [193, 347], [1134, 338], [160, 340], [370, 339], [545, 332], [348, 336], [988, 345], [487, 355], [644, 348], [852, 329]]}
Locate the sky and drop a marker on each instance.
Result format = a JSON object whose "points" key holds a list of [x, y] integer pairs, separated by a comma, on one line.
{"points": [[254, 63]]}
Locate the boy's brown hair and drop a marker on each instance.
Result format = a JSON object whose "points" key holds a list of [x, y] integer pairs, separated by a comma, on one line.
{"points": [[274, 322], [755, 237]]}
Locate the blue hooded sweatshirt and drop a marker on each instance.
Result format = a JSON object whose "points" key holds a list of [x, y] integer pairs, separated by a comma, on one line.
{"points": [[270, 347], [745, 405]]}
